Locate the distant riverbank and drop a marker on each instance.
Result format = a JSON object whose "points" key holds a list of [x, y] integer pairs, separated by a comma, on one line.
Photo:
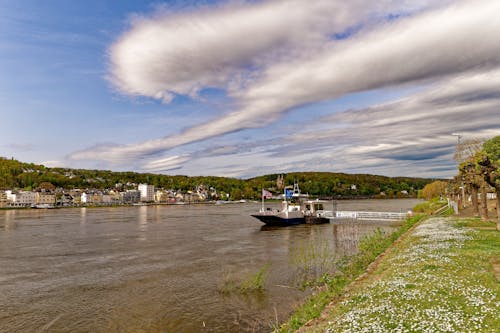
{"points": [[126, 205]]}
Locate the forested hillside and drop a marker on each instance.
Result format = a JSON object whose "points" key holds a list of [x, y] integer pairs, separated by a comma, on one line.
{"points": [[15, 174]]}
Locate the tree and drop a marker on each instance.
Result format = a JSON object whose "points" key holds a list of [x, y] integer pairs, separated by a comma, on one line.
{"points": [[488, 161], [47, 186], [469, 175], [473, 180], [467, 149], [434, 189]]}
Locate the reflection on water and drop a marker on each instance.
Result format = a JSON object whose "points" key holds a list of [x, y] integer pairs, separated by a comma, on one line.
{"points": [[155, 268], [9, 221], [83, 215], [143, 222]]}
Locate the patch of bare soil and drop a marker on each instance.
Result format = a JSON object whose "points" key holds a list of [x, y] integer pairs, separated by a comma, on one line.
{"points": [[496, 267], [468, 211]]}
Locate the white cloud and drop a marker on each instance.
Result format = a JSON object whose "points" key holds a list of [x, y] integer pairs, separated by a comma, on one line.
{"points": [[278, 65], [52, 164], [411, 136], [165, 164], [183, 53]]}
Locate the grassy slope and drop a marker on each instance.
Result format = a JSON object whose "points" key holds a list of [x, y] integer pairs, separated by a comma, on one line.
{"points": [[439, 279], [333, 286]]}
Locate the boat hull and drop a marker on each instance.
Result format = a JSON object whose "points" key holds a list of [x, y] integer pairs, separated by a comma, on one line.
{"points": [[275, 220], [316, 220]]}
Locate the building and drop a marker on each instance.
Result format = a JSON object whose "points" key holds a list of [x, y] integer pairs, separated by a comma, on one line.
{"points": [[147, 192], [131, 196], [97, 198], [21, 198], [94, 198], [85, 198], [3, 199], [115, 197], [45, 198], [65, 200], [161, 196], [106, 199], [76, 196]]}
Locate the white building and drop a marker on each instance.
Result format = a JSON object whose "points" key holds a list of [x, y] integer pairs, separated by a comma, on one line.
{"points": [[21, 198], [147, 192], [85, 198]]}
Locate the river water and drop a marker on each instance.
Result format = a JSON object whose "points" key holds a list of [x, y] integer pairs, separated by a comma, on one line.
{"points": [[162, 268]]}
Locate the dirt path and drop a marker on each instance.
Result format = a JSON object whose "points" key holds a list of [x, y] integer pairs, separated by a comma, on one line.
{"points": [[496, 267]]}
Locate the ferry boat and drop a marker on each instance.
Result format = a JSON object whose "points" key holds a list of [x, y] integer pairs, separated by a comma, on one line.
{"points": [[298, 211], [289, 214]]}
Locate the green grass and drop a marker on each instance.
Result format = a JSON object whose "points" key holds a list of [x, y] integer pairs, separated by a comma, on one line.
{"points": [[312, 259], [428, 207], [348, 269], [475, 222], [255, 282], [251, 283], [439, 279]]}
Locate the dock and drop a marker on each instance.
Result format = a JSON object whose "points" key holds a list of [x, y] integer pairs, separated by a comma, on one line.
{"points": [[365, 215]]}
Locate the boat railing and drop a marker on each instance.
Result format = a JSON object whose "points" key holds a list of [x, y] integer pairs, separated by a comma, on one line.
{"points": [[364, 215]]}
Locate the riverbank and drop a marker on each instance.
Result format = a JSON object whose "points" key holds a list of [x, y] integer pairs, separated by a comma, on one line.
{"points": [[332, 286], [128, 205], [439, 278]]}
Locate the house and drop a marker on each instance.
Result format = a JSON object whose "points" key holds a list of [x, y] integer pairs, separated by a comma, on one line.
{"points": [[115, 197], [76, 196], [45, 198], [65, 200], [106, 199], [179, 197], [161, 196], [97, 198], [131, 196], [85, 198], [3, 199]]}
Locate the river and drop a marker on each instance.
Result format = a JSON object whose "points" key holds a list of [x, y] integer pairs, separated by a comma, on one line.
{"points": [[161, 268]]}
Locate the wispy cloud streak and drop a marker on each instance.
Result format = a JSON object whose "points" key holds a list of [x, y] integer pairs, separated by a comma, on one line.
{"points": [[287, 65], [410, 136]]}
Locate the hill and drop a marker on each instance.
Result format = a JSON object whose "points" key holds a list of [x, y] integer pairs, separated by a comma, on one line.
{"points": [[16, 174]]}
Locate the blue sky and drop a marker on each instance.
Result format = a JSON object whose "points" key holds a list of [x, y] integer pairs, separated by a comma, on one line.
{"points": [[235, 88]]}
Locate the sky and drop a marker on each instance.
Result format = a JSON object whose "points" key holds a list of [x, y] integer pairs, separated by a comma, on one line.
{"points": [[246, 88]]}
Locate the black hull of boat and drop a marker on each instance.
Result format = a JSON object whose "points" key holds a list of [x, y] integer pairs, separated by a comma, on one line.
{"points": [[279, 221], [316, 220]]}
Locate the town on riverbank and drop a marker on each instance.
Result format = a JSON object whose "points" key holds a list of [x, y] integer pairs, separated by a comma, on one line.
{"points": [[28, 184]]}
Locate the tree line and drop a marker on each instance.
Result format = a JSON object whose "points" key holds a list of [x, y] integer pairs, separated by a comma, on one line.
{"points": [[478, 174], [28, 176]]}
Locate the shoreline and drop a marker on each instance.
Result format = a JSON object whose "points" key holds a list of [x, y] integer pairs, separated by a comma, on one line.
{"points": [[192, 203], [113, 206]]}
